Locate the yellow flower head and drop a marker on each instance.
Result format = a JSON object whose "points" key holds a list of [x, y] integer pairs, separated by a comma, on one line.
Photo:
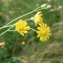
{"points": [[43, 32], [2, 44], [19, 8], [38, 18], [23, 42], [10, 12], [1, 13], [8, 0], [21, 27]]}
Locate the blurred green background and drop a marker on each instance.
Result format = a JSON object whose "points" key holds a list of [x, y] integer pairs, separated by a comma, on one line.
{"points": [[33, 51]]}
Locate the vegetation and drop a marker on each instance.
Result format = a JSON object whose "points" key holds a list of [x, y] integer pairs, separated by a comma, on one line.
{"points": [[28, 48]]}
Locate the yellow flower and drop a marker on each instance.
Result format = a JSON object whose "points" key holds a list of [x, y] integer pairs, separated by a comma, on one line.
{"points": [[1, 13], [21, 27], [23, 42], [43, 32], [10, 12], [19, 8], [8, 0], [2, 44], [38, 18]]}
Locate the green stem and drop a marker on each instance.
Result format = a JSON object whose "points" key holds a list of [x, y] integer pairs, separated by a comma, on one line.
{"points": [[6, 30], [33, 29], [5, 26], [20, 17], [23, 15], [12, 30]]}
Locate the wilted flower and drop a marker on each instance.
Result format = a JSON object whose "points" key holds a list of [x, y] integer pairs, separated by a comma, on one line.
{"points": [[2, 44]]}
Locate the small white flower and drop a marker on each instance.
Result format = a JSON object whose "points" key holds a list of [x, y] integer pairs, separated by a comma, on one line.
{"points": [[43, 6], [51, 10], [49, 0], [59, 7], [37, 5]]}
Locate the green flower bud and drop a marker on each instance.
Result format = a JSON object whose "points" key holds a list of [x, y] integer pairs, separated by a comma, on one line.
{"points": [[48, 6], [43, 6]]}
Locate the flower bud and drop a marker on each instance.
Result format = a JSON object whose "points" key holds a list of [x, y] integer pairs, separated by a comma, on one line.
{"points": [[48, 6], [43, 6], [2, 44], [23, 43]]}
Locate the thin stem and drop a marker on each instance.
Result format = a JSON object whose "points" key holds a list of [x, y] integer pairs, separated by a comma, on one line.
{"points": [[14, 47], [5, 26], [12, 30], [6, 30], [23, 15], [20, 17], [28, 19], [33, 29]]}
